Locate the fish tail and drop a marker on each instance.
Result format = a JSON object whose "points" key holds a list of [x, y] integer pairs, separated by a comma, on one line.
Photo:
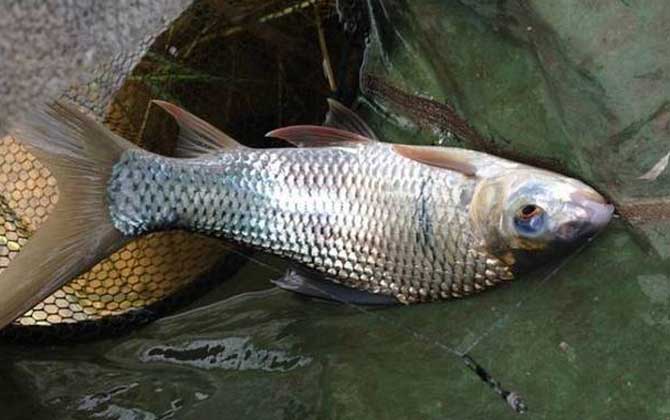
{"points": [[80, 153]]}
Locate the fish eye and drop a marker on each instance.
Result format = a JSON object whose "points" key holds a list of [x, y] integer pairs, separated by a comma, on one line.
{"points": [[528, 211], [529, 220]]}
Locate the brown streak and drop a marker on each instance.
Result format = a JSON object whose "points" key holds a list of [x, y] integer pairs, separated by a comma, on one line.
{"points": [[424, 111], [645, 210], [429, 114]]}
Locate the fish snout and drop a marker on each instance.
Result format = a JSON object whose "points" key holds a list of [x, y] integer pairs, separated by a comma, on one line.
{"points": [[600, 214], [598, 211]]}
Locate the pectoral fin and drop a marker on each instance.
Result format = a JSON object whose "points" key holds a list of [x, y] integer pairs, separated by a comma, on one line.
{"points": [[311, 285]]}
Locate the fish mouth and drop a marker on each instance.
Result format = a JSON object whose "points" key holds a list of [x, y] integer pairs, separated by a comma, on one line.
{"points": [[599, 212], [593, 215]]}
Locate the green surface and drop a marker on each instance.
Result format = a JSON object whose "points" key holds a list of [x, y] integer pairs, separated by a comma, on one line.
{"points": [[578, 86], [591, 341]]}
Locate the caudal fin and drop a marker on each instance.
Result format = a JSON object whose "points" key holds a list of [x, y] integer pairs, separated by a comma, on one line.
{"points": [[80, 153]]}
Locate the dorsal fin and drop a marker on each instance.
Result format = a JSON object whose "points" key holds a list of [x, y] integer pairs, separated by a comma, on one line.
{"points": [[197, 137], [318, 136], [440, 157], [339, 116]]}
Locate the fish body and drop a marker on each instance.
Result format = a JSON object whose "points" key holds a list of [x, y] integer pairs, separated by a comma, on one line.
{"points": [[363, 216], [412, 223]]}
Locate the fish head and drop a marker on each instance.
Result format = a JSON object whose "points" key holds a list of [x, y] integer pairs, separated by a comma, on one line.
{"points": [[525, 215]]}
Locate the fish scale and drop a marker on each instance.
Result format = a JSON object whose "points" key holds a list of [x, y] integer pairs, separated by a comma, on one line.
{"points": [[364, 217]]}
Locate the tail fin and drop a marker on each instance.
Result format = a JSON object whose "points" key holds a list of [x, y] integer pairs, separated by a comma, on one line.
{"points": [[80, 153]]}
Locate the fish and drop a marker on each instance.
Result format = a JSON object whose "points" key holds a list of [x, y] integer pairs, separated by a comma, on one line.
{"points": [[360, 220]]}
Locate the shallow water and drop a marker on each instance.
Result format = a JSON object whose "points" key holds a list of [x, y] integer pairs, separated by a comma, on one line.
{"points": [[590, 340]]}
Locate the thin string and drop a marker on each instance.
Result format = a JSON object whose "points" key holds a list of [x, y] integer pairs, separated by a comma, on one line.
{"points": [[505, 317]]}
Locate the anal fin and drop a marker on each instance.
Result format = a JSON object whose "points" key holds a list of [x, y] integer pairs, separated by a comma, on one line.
{"points": [[312, 285]]}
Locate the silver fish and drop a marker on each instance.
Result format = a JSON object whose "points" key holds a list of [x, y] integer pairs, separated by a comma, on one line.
{"points": [[382, 223]]}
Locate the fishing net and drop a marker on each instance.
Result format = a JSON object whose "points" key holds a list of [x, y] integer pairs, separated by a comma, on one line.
{"points": [[247, 67]]}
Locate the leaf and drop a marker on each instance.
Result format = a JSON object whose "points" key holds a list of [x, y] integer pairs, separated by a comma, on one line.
{"points": [[657, 170]]}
